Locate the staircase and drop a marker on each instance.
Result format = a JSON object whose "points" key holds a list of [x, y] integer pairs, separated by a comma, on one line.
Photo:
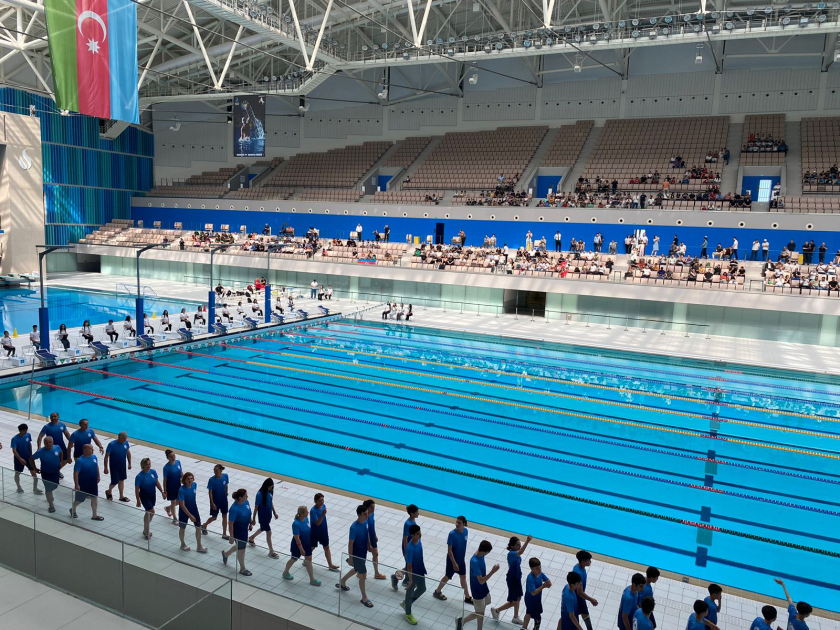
{"points": [[793, 162], [731, 175], [579, 166], [420, 159], [536, 160], [259, 179], [379, 163]]}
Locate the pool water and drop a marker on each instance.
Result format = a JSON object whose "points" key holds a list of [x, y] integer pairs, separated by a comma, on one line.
{"points": [[19, 307], [726, 475]]}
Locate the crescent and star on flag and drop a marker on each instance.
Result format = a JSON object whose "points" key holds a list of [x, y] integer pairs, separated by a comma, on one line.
{"points": [[92, 44]]}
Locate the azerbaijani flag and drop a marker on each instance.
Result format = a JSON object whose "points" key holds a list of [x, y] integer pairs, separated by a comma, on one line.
{"points": [[93, 52]]}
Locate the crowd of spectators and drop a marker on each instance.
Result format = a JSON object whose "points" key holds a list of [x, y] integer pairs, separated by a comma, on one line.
{"points": [[685, 267], [829, 176], [788, 274], [759, 143]]}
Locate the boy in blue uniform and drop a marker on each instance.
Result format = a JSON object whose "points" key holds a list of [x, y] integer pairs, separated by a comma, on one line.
{"points": [[478, 585], [697, 620], [643, 617], [413, 513], [319, 534], [81, 436], [584, 560], [569, 601], [534, 585], [52, 461], [651, 577], [217, 490], [797, 613], [714, 602], [456, 555], [373, 541], [513, 578], [21, 452], [86, 482], [118, 458], [765, 622], [357, 548], [630, 601], [416, 573], [57, 431]]}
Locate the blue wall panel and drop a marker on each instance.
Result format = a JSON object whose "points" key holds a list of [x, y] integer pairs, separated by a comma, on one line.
{"points": [[544, 182]]}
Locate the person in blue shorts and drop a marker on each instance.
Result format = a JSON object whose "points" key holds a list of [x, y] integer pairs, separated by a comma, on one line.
{"points": [[643, 617], [263, 511], [86, 482], [118, 459], [239, 520], [320, 535], [413, 513], [630, 601], [172, 473], [478, 585], [373, 541], [146, 485], [357, 548], [569, 603], [301, 546], [536, 582], [698, 621], [651, 577], [81, 436], [714, 601], [57, 431], [456, 554], [416, 571], [217, 489], [797, 613], [584, 560], [21, 452], [188, 512], [52, 461], [515, 549]]}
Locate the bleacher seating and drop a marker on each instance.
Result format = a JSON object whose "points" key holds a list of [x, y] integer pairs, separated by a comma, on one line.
{"points": [[262, 193], [103, 235], [809, 204], [386, 253], [473, 160], [336, 168], [214, 178], [188, 191], [330, 194], [761, 126], [820, 138], [122, 232], [407, 197], [628, 149], [408, 151], [567, 146]]}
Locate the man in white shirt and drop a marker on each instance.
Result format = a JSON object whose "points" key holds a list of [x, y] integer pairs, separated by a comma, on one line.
{"points": [[313, 290], [35, 338], [111, 331], [734, 249], [765, 249], [558, 241]]}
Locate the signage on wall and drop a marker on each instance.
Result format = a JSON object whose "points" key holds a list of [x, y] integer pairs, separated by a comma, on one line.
{"points": [[249, 126], [24, 161]]}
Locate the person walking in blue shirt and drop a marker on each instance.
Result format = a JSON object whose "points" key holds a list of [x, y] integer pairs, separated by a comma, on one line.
{"points": [[643, 617], [416, 571], [413, 513], [797, 613], [714, 601], [698, 621], [263, 511], [630, 601], [172, 473], [569, 603], [57, 431], [357, 548], [584, 561], [52, 461], [21, 452], [188, 512], [301, 546], [217, 489], [146, 484], [513, 578], [536, 582], [118, 458], [320, 535], [478, 586], [766, 621], [456, 562], [373, 541], [651, 577], [86, 482], [239, 519], [81, 436]]}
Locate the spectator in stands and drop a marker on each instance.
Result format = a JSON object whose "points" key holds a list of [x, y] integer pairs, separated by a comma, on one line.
{"points": [[726, 156], [765, 249], [755, 247], [822, 251]]}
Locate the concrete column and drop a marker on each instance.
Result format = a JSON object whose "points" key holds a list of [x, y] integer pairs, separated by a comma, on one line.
{"points": [[828, 330]]}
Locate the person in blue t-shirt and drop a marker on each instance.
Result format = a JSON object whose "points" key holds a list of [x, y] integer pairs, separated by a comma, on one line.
{"points": [[456, 559], [52, 461], [797, 613], [767, 619], [651, 577], [515, 550], [83, 435], [357, 548], [239, 518], [188, 512], [172, 473], [535, 583], [698, 620], [478, 585], [217, 489], [118, 459], [21, 452], [373, 541], [714, 601], [58, 432], [416, 571], [320, 535], [263, 511], [413, 513], [569, 603], [584, 561], [643, 617], [301, 546], [146, 484], [86, 482], [630, 601]]}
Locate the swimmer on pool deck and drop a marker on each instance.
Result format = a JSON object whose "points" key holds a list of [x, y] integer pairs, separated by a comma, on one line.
{"points": [[146, 484], [319, 532], [413, 513], [416, 572], [117, 455], [651, 577], [797, 613], [370, 504], [584, 560], [263, 511], [239, 517], [643, 617], [171, 484], [515, 550], [57, 431], [536, 582], [714, 601], [81, 436], [357, 548], [301, 546], [456, 560], [630, 601], [478, 585], [569, 603], [217, 489], [52, 461], [188, 512], [22, 452], [86, 482]]}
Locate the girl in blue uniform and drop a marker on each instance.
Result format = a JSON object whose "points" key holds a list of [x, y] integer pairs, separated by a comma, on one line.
{"points": [[239, 518], [515, 549], [188, 512], [146, 484], [263, 511], [301, 546], [171, 484], [217, 489]]}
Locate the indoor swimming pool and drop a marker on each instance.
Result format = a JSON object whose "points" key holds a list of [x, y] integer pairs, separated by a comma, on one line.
{"points": [[719, 472]]}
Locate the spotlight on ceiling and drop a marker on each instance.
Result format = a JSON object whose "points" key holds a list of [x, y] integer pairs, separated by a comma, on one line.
{"points": [[473, 79], [698, 57], [578, 62], [383, 95]]}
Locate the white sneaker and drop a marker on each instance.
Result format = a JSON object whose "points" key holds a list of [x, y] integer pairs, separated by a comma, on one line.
{"points": [[516, 621], [495, 612]]}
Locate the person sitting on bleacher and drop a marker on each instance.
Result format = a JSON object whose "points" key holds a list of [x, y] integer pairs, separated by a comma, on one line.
{"points": [[87, 332], [185, 319], [199, 316], [255, 309], [8, 344], [226, 313], [128, 327]]}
